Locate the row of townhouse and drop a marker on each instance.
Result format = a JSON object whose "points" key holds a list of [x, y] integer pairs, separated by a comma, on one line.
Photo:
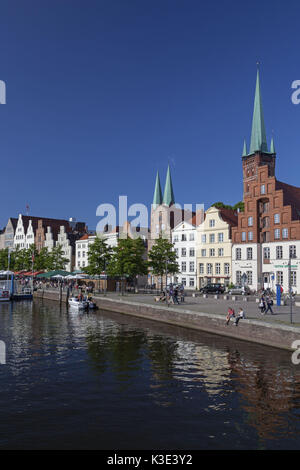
{"points": [[26, 230], [259, 245]]}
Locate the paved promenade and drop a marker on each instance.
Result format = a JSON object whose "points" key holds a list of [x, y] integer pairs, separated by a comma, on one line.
{"points": [[219, 306]]}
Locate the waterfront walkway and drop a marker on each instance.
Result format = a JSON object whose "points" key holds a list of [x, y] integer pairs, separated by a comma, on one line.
{"points": [[218, 306]]}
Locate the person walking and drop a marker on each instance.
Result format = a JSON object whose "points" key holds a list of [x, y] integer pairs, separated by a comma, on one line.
{"points": [[262, 305], [269, 301], [239, 317], [175, 296], [181, 293]]}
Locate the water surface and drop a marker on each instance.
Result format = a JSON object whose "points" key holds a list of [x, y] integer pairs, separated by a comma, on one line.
{"points": [[108, 381]]}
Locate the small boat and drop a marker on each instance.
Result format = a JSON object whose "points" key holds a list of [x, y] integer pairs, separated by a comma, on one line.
{"points": [[4, 295], [78, 304]]}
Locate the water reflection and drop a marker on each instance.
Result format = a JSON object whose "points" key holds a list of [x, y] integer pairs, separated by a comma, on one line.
{"points": [[139, 380]]}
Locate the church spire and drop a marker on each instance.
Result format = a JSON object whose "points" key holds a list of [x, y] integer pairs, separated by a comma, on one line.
{"points": [[168, 192], [258, 134], [157, 198], [272, 146], [244, 149]]}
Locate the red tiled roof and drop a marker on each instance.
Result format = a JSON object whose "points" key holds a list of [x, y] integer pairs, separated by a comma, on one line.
{"points": [[229, 216]]}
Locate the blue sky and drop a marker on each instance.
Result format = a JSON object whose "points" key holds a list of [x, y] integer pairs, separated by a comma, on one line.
{"points": [[102, 94]]}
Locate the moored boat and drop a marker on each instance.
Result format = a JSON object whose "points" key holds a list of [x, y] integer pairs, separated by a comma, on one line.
{"points": [[4, 295], [78, 304]]}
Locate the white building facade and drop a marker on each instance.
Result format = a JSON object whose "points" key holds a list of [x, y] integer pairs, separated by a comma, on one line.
{"points": [[184, 241]]}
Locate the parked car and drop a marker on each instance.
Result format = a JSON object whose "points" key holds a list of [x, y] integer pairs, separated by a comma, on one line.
{"points": [[239, 290], [213, 289]]}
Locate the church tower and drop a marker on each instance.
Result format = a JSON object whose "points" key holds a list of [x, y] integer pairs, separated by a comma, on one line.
{"points": [[259, 154]]}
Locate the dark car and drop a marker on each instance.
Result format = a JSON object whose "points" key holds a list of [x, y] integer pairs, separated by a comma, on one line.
{"points": [[213, 289]]}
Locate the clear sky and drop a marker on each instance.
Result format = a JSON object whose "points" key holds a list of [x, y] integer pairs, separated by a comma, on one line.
{"points": [[102, 94]]}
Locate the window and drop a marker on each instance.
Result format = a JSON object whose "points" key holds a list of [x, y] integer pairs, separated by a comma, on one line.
{"points": [[218, 268], [276, 218], [203, 238], [209, 268], [83, 263], [212, 252], [249, 253], [294, 278], [192, 282], [79, 254], [238, 253], [183, 281], [192, 252], [175, 238], [183, 251], [250, 236], [220, 251], [292, 251], [250, 221], [262, 189], [278, 252], [249, 277], [183, 237], [226, 269], [201, 268], [221, 237], [277, 233], [238, 277], [83, 254], [183, 267], [243, 236], [265, 207], [203, 252], [285, 233], [192, 237], [212, 223], [266, 253], [279, 277], [212, 238], [192, 266], [176, 251]]}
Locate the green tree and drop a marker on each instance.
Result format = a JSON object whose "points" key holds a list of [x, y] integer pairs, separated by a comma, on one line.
{"points": [[98, 257], [56, 259], [128, 259], [162, 258]]}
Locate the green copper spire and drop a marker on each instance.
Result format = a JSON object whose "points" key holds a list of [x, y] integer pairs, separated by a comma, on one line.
{"points": [[258, 134], [157, 198], [272, 146], [244, 149], [168, 193]]}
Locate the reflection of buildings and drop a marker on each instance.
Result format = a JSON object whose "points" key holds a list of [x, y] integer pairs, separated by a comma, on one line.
{"points": [[202, 363], [268, 392]]}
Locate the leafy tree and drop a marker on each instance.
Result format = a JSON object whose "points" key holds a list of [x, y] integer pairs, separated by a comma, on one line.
{"points": [[220, 205], [128, 259], [56, 259], [239, 205], [162, 258], [99, 256]]}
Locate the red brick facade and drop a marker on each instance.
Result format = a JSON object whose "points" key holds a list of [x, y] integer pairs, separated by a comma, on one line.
{"points": [[272, 208]]}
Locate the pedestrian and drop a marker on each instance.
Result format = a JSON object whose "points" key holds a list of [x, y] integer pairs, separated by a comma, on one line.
{"points": [[181, 293], [262, 305], [239, 317], [269, 301], [175, 296], [230, 314]]}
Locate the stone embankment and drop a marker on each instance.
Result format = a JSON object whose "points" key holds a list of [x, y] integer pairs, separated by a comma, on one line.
{"points": [[255, 330]]}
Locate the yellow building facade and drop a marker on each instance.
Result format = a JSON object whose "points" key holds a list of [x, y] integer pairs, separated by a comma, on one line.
{"points": [[213, 247]]}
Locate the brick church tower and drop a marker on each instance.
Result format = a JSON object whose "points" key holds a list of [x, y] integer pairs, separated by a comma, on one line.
{"points": [[258, 153]]}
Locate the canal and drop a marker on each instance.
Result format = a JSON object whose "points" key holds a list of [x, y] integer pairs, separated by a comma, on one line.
{"points": [[108, 381]]}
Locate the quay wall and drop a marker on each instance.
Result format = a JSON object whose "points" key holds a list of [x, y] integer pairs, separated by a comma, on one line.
{"points": [[270, 334]]}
